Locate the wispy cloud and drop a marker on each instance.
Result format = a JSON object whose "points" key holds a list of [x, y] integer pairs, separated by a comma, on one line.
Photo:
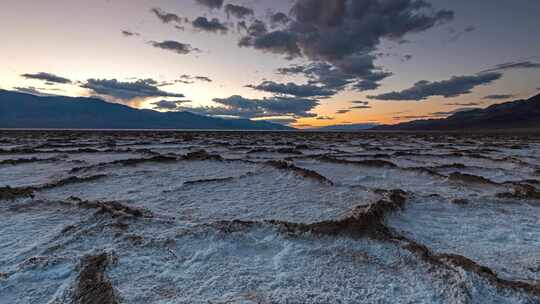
{"points": [[499, 96], [48, 77], [166, 17], [174, 46], [127, 33], [514, 65]]}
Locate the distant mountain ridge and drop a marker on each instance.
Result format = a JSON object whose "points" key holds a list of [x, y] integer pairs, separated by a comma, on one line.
{"points": [[520, 114], [21, 110], [346, 128]]}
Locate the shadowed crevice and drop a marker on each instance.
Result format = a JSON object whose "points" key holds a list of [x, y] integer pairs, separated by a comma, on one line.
{"points": [[9, 194], [470, 178], [93, 285]]}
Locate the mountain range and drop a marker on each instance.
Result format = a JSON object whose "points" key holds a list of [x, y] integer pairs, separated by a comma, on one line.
{"points": [[21, 110], [519, 114]]}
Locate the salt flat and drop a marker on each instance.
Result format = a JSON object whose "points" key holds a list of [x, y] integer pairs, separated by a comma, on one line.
{"points": [[225, 217]]}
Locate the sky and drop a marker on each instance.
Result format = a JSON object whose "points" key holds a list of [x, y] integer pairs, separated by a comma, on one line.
{"points": [[305, 63]]}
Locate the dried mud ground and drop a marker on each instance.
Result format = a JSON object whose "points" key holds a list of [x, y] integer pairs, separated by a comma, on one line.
{"points": [[173, 217]]}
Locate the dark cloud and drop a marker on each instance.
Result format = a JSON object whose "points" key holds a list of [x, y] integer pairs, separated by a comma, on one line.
{"points": [[277, 42], [338, 78], [281, 121], [257, 28], [359, 71], [412, 117], [241, 26], [407, 58], [343, 111], [213, 4], [303, 125], [238, 11], [32, 90], [129, 33], [166, 17], [359, 102], [174, 46], [142, 88], [293, 89], [279, 18], [165, 83], [184, 81], [188, 79], [168, 104], [51, 78], [371, 81], [455, 86], [325, 118], [272, 106], [326, 74], [28, 90], [514, 65], [203, 78], [344, 32], [499, 96], [213, 26], [292, 70], [239, 106], [464, 104], [223, 111], [360, 107]]}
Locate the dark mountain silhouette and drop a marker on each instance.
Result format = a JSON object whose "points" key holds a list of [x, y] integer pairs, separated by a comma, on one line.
{"points": [[520, 114], [19, 110], [346, 128]]}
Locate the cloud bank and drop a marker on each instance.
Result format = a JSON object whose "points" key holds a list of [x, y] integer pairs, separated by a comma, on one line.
{"points": [[453, 87], [238, 106], [143, 88]]}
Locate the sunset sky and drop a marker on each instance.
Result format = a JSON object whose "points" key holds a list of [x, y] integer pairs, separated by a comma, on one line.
{"points": [[299, 62]]}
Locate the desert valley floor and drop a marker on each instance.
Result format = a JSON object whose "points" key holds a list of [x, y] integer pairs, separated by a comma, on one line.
{"points": [[225, 217]]}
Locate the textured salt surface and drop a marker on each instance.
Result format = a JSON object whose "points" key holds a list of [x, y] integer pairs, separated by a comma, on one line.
{"points": [[502, 235], [134, 218]]}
